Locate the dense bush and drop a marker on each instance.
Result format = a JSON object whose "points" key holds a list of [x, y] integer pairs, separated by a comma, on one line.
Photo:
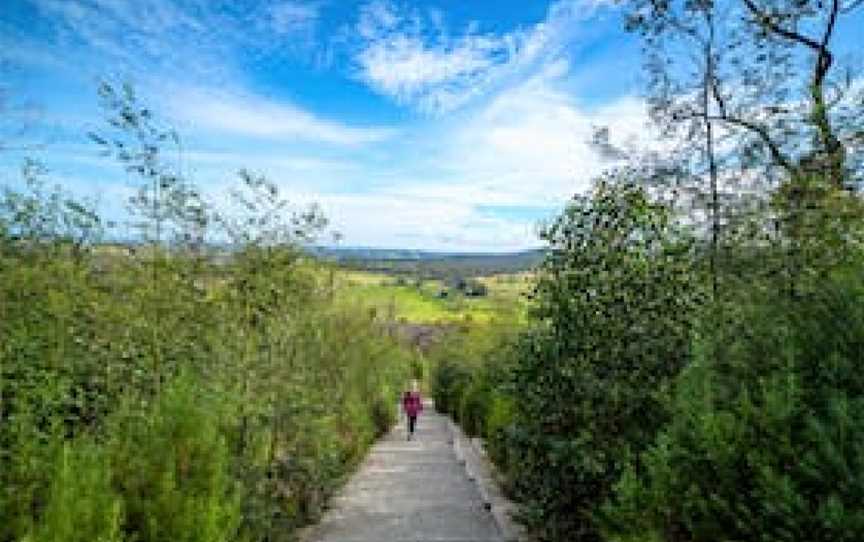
{"points": [[265, 393], [466, 371], [767, 435], [565, 404], [150, 392], [614, 301], [638, 405], [450, 380]]}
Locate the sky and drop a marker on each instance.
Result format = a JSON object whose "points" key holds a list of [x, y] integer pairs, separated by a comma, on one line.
{"points": [[454, 125]]}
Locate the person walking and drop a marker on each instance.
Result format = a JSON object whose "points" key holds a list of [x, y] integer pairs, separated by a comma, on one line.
{"points": [[412, 405]]}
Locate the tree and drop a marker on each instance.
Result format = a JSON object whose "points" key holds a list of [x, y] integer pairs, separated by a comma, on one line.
{"points": [[796, 118], [614, 302], [42, 216], [169, 206], [766, 436], [758, 83]]}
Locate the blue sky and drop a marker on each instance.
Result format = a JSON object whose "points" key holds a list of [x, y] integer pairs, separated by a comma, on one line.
{"points": [[433, 124]]}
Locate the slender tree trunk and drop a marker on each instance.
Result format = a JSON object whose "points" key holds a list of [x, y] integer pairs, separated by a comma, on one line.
{"points": [[710, 153], [154, 289], [832, 163]]}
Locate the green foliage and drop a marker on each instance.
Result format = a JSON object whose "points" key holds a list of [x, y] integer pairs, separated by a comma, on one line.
{"points": [[82, 504], [42, 216], [450, 381], [474, 404], [461, 367], [266, 393], [172, 467], [166, 205], [150, 393], [615, 300], [767, 434], [636, 408], [501, 412]]}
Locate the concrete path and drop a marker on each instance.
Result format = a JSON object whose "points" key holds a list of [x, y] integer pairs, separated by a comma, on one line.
{"points": [[415, 491]]}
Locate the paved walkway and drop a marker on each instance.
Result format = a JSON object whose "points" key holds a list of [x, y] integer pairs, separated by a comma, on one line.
{"points": [[415, 491]]}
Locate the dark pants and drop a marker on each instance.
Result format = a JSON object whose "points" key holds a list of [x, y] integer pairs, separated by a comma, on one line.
{"points": [[412, 422]]}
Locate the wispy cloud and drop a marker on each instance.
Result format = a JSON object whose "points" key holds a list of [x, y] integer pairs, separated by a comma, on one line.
{"points": [[482, 179], [249, 115], [194, 56], [156, 33], [413, 58], [512, 146], [203, 38], [293, 17], [291, 26], [530, 145], [463, 182]]}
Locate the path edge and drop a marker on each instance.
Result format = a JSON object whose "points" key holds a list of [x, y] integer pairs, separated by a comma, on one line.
{"points": [[311, 531], [472, 456]]}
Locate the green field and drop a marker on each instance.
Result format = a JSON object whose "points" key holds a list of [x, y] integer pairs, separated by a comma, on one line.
{"points": [[422, 302]]}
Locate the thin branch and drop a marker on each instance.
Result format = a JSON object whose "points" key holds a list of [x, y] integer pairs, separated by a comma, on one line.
{"points": [[760, 131], [823, 63], [718, 96], [851, 6], [768, 22]]}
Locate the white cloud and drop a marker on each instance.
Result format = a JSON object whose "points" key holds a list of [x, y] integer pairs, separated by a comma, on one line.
{"points": [[530, 144], [131, 32], [247, 115], [398, 59], [429, 185], [416, 61], [202, 39], [528, 148], [290, 26], [399, 221]]}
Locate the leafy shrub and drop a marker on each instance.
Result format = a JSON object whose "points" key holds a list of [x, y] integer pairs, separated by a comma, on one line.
{"points": [[173, 468], [81, 504], [499, 424], [260, 389], [767, 437], [474, 404], [449, 383], [614, 304]]}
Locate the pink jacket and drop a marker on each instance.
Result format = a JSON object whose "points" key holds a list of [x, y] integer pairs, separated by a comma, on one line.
{"points": [[412, 404]]}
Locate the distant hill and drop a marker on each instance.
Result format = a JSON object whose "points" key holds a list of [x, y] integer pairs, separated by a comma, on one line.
{"points": [[430, 264]]}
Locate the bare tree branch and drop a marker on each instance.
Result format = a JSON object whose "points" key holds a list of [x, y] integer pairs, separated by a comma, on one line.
{"points": [[823, 63], [779, 157], [767, 21]]}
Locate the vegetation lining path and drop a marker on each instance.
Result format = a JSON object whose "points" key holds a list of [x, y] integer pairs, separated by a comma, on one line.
{"points": [[415, 491]]}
